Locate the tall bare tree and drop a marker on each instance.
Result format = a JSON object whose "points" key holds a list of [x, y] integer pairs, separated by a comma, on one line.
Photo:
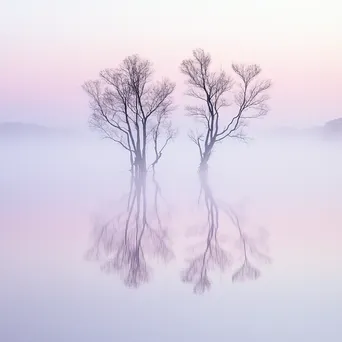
{"points": [[131, 109], [212, 90]]}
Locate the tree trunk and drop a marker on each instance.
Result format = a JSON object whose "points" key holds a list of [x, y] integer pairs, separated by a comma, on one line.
{"points": [[203, 167]]}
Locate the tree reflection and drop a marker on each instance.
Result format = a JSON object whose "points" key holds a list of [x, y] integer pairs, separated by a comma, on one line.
{"points": [[129, 241], [124, 244], [251, 248], [212, 254]]}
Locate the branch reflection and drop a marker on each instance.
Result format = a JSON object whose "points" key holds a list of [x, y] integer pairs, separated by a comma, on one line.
{"points": [[214, 254], [251, 248], [124, 244]]}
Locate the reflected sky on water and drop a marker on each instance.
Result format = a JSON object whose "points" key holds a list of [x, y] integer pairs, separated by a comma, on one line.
{"points": [[253, 252]]}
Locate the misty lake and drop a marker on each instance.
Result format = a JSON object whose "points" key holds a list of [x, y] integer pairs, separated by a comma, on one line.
{"points": [[257, 258]]}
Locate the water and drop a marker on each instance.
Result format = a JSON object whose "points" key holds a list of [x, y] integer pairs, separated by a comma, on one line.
{"points": [[286, 197]]}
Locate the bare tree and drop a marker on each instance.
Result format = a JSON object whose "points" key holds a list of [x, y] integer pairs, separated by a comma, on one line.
{"points": [[132, 110], [211, 89], [162, 134]]}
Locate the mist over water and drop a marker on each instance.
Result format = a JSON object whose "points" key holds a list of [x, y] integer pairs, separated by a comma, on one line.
{"points": [[252, 253], [222, 240]]}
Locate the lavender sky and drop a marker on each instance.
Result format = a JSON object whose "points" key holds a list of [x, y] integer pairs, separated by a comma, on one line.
{"points": [[49, 48]]}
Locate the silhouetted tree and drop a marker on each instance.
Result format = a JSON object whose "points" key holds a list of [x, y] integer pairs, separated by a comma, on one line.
{"points": [[211, 88], [132, 110]]}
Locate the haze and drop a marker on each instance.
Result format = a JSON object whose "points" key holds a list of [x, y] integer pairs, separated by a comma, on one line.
{"points": [[236, 241], [50, 49]]}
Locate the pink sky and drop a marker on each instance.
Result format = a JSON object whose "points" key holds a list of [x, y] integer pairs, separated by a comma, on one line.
{"points": [[51, 48]]}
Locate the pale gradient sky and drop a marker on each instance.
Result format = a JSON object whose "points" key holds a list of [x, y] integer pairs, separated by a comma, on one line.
{"points": [[49, 48]]}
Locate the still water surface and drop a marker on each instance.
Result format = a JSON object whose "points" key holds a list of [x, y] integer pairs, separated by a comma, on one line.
{"points": [[257, 258]]}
